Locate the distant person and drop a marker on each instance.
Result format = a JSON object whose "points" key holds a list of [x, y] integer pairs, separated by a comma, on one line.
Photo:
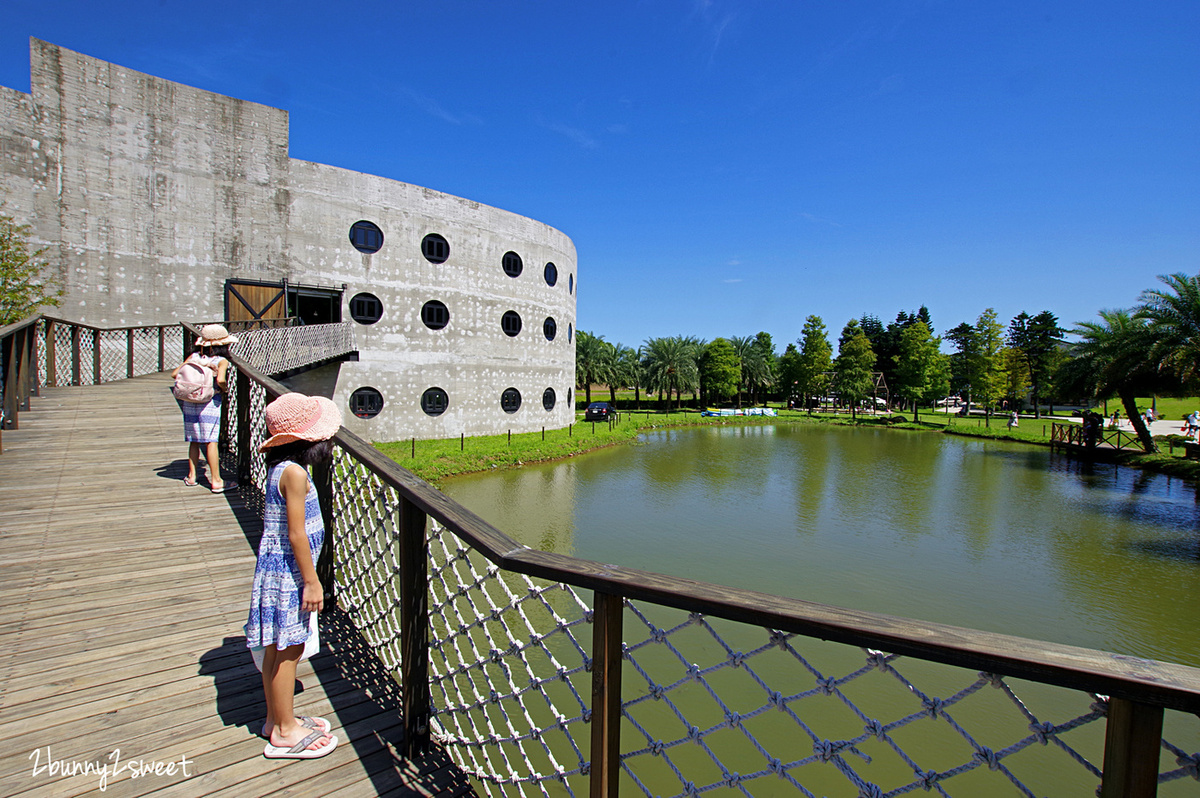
{"points": [[1012, 419], [202, 420], [1116, 419], [1193, 423], [286, 588]]}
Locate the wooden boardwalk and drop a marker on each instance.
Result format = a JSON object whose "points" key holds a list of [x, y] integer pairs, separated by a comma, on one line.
{"points": [[124, 593]]}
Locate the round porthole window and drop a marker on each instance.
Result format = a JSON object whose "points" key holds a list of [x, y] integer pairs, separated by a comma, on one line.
{"points": [[510, 400], [512, 264], [549, 328], [510, 322], [551, 274], [434, 401], [366, 402], [366, 237], [435, 314], [435, 248], [366, 308], [548, 399]]}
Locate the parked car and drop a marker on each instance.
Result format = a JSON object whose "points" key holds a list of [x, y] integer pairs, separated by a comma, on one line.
{"points": [[598, 411]]}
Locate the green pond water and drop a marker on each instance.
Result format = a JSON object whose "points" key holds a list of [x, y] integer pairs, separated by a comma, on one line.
{"points": [[983, 534]]}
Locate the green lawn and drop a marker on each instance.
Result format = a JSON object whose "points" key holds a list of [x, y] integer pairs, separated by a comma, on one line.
{"points": [[435, 459]]}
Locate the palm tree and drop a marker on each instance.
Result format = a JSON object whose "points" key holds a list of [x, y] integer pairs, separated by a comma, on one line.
{"points": [[624, 370], [1174, 317], [593, 361], [669, 364], [1111, 359]]}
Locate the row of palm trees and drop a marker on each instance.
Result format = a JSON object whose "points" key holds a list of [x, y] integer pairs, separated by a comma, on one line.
{"points": [[668, 367]]}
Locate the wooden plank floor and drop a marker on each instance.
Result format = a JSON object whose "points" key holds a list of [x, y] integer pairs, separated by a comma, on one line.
{"points": [[124, 593]]}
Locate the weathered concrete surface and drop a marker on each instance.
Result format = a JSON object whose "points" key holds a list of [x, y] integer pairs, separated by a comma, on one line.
{"points": [[151, 194]]}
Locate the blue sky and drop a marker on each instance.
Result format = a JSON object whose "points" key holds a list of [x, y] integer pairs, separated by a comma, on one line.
{"points": [[729, 167]]}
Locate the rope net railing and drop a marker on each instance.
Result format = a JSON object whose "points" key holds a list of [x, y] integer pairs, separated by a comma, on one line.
{"points": [[509, 672], [710, 704], [718, 707], [276, 350]]}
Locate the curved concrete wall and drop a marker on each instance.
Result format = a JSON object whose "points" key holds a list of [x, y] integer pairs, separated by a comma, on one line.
{"points": [[151, 194]]}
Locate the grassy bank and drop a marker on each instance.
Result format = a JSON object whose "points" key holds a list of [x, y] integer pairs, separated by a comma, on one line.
{"points": [[433, 460]]}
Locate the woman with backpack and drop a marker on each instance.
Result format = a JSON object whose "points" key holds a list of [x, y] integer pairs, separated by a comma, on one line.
{"points": [[199, 389]]}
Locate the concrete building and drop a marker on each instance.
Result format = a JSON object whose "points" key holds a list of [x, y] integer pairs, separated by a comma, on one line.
{"points": [[161, 202]]}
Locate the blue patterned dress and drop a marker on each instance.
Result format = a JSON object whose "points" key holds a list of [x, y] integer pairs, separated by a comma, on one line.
{"points": [[275, 615], [202, 422]]}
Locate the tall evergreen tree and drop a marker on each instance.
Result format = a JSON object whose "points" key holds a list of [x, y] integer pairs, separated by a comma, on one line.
{"points": [[854, 370], [1037, 339], [815, 360], [922, 372]]}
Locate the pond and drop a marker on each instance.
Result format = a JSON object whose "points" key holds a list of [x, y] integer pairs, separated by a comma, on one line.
{"points": [[983, 534]]}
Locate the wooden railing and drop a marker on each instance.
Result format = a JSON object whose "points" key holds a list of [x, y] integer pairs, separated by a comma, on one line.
{"points": [[1071, 434], [385, 516], [44, 350]]}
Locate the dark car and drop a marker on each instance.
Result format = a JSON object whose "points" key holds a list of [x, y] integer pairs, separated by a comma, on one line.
{"points": [[598, 411]]}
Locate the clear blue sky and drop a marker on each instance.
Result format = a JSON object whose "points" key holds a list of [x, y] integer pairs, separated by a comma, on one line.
{"points": [[729, 167]]}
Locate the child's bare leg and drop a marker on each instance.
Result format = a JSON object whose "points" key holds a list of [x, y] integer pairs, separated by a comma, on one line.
{"points": [[193, 462], [279, 684], [212, 454]]}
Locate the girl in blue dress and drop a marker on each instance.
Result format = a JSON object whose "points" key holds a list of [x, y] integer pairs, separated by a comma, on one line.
{"points": [[286, 588]]}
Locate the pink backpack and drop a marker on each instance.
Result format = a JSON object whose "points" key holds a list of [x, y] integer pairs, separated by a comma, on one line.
{"points": [[193, 383]]}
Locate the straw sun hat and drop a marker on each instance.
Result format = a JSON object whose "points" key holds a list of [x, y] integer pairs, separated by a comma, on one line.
{"points": [[215, 335], [296, 417]]}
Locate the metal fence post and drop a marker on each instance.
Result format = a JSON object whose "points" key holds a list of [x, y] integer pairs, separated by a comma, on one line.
{"points": [[129, 352], [416, 702], [1132, 742], [607, 656]]}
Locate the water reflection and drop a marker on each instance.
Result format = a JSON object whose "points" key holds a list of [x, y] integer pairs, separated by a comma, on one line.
{"points": [[984, 534]]}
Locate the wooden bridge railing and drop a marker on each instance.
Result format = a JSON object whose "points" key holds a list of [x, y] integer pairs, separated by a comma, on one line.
{"points": [[485, 638], [1072, 434], [44, 350]]}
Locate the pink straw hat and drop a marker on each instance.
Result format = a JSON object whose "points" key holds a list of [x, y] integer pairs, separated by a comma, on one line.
{"points": [[215, 335], [296, 417]]}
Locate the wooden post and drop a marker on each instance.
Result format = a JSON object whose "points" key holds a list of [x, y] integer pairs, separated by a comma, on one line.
{"points": [[162, 348], [606, 694], [416, 702], [51, 355], [414, 446], [322, 476], [1132, 743], [75, 355], [95, 357], [21, 352], [8, 362], [129, 352], [244, 443]]}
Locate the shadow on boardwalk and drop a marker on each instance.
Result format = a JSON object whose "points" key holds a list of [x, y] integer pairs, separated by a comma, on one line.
{"points": [[121, 644]]}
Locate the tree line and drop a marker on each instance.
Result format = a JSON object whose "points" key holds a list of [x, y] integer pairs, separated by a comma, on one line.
{"points": [[1152, 348]]}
